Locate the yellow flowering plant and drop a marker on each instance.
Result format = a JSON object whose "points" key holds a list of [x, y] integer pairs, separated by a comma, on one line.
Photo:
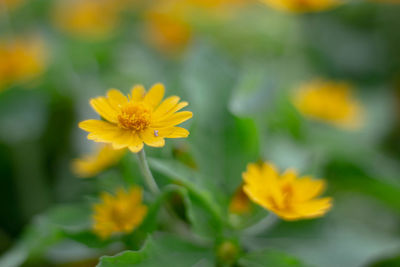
{"points": [[23, 58], [91, 165], [253, 172], [121, 213], [286, 195], [329, 101], [137, 119], [302, 5]]}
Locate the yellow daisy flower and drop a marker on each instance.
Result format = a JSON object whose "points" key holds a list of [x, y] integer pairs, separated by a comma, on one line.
{"points": [[287, 196], [10, 4], [330, 102], [121, 213], [21, 60], [167, 31], [91, 165], [302, 5], [94, 19], [139, 118]]}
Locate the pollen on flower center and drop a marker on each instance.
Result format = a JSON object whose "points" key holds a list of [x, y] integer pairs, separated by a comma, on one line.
{"points": [[134, 117]]}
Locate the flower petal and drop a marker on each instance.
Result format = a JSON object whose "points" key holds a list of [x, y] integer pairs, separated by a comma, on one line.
{"points": [[149, 137], [173, 132], [314, 208], [136, 148], [166, 106], [101, 131], [171, 112], [95, 126], [308, 188], [155, 95], [104, 109], [137, 93], [173, 120], [116, 98]]}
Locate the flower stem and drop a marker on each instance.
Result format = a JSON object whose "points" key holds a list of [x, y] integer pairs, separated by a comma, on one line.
{"points": [[263, 225], [148, 177]]}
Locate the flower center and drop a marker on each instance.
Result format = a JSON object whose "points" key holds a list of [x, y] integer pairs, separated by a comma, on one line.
{"points": [[134, 117]]}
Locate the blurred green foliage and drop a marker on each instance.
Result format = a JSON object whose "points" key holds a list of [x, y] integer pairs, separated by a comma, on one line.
{"points": [[237, 75]]}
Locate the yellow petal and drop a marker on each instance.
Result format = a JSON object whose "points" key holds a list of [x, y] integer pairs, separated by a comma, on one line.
{"points": [[137, 93], [104, 109], [314, 208], [288, 176], [171, 112], [136, 148], [155, 95], [166, 106], [97, 126], [116, 98], [124, 139], [149, 137], [101, 131], [173, 120], [308, 188], [173, 132]]}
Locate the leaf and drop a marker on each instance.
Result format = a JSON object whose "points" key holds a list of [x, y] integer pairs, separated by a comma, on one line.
{"points": [[57, 224], [269, 258], [202, 207], [161, 250], [36, 239], [356, 231]]}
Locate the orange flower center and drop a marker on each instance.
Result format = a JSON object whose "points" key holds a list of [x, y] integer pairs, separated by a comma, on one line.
{"points": [[134, 117]]}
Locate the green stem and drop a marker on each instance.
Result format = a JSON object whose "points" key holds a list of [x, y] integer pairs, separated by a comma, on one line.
{"points": [[148, 177]]}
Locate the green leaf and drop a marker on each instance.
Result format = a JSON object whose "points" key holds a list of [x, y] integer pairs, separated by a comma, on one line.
{"points": [[267, 258], [57, 224], [161, 250], [202, 209]]}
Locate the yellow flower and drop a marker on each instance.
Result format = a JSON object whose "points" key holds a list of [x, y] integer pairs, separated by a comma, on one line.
{"points": [[330, 102], [138, 118], [21, 60], [302, 5], [168, 22], [10, 4], [240, 202], [167, 31], [119, 214], [287, 196], [94, 19], [91, 165]]}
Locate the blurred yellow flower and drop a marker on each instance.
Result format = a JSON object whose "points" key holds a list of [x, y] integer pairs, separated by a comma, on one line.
{"points": [[287, 196], [88, 18], [240, 202], [140, 117], [302, 5], [121, 213], [10, 4], [91, 165], [22, 59], [167, 31], [331, 102], [168, 23]]}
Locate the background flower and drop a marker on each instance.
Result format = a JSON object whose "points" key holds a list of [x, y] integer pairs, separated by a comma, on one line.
{"points": [[121, 213], [286, 195], [91, 165], [331, 102]]}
